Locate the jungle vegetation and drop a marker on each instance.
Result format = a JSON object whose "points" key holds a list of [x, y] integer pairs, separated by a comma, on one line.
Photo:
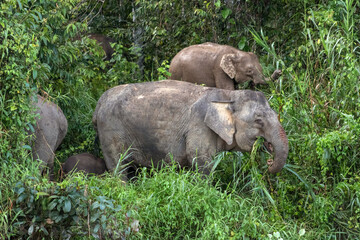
{"points": [[314, 42]]}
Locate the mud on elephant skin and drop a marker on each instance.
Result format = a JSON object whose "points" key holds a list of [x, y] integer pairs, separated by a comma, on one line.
{"points": [[50, 130], [85, 162], [189, 121], [216, 65]]}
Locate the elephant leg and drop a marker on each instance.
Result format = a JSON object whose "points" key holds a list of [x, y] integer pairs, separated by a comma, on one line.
{"points": [[223, 81], [44, 151], [113, 148]]}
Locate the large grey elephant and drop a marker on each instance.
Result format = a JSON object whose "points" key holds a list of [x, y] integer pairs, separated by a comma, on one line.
{"points": [[51, 128], [84, 162], [216, 65], [187, 121]]}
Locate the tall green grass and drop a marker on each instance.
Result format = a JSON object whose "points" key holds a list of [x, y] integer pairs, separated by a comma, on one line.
{"points": [[318, 101], [182, 204]]}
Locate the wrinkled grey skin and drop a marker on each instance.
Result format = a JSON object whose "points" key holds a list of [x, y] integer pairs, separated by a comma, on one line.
{"points": [[86, 163], [104, 42], [189, 121], [215, 65], [50, 130]]}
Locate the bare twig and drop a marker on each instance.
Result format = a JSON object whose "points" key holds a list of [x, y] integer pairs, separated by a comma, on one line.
{"points": [[98, 11]]}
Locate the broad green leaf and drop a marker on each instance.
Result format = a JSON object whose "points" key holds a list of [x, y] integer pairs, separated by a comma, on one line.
{"points": [[31, 128], [102, 206], [20, 5], [31, 230], [43, 229], [67, 206], [242, 43], [21, 198], [218, 4], [96, 228], [34, 73], [21, 190], [225, 13], [94, 217], [52, 205], [42, 194], [35, 17], [26, 147], [95, 205], [13, 108]]}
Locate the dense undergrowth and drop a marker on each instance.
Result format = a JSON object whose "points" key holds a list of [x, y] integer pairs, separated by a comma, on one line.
{"points": [[315, 43]]}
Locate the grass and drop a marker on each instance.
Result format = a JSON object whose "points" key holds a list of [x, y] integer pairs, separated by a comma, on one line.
{"points": [[173, 203], [180, 204], [316, 196]]}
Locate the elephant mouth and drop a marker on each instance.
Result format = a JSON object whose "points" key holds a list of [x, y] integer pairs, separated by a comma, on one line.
{"points": [[270, 149], [268, 146]]}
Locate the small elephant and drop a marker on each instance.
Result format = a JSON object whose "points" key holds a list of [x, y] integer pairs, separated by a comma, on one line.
{"points": [[189, 122], [218, 66], [85, 162], [50, 130], [104, 42]]}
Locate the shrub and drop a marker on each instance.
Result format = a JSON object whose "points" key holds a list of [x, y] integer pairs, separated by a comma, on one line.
{"points": [[63, 210]]}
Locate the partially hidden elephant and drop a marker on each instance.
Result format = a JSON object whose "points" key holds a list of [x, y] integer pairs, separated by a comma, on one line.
{"points": [[216, 65], [50, 130], [185, 122], [85, 162], [104, 41]]}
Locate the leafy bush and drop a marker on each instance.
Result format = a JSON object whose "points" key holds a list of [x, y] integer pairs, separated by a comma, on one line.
{"points": [[316, 44], [63, 210]]}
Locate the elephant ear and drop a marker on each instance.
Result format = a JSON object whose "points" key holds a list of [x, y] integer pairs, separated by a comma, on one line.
{"points": [[219, 119], [227, 64]]}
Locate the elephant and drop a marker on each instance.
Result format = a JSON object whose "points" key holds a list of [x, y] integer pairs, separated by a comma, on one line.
{"points": [[216, 65], [50, 130], [85, 162], [178, 121], [104, 41]]}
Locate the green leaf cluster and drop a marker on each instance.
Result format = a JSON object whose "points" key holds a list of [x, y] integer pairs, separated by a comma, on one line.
{"points": [[61, 210]]}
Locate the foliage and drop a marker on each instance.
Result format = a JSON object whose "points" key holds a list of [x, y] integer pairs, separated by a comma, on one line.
{"points": [[64, 210], [315, 43], [177, 204], [318, 97]]}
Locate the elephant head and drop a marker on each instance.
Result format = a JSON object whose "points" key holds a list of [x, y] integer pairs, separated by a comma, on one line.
{"points": [[239, 122], [85, 162], [243, 67]]}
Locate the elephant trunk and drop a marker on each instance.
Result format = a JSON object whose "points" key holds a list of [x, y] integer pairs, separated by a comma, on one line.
{"points": [[274, 76], [280, 144]]}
